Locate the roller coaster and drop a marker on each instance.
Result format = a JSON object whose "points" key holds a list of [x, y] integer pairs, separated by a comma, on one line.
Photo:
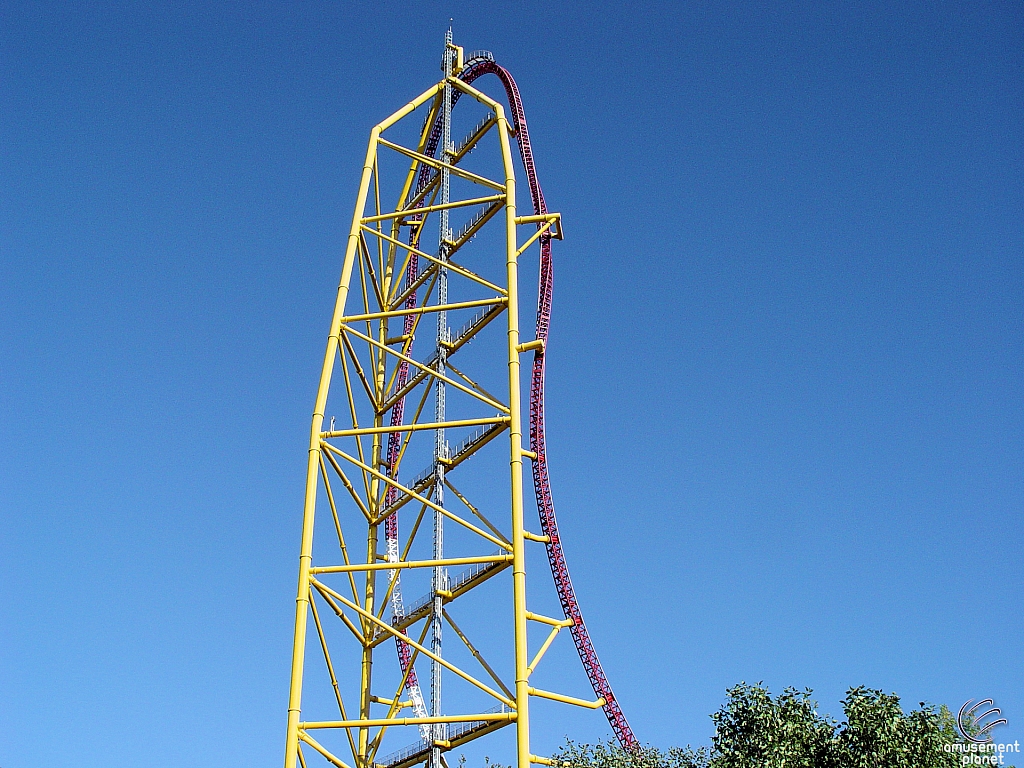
{"points": [[356, 467]]}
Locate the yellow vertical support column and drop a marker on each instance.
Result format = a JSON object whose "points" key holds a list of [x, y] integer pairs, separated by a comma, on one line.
{"points": [[516, 461], [313, 464]]}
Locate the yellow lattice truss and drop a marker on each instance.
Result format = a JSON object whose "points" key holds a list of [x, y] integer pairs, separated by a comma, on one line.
{"points": [[348, 593]]}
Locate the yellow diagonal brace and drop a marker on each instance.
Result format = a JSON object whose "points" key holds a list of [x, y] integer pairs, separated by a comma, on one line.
{"points": [[412, 106], [330, 670], [428, 371], [533, 238], [365, 249], [394, 709], [480, 515], [359, 369], [439, 164], [435, 180], [543, 649], [538, 218], [460, 342], [483, 99], [338, 612], [432, 208], [337, 524], [414, 495], [476, 654], [406, 639], [303, 736], [452, 267], [350, 488]]}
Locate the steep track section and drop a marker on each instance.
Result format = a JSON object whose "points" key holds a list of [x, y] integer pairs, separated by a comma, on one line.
{"points": [[475, 68], [478, 65]]}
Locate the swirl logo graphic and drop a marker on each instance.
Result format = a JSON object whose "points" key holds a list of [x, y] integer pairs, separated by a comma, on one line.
{"points": [[977, 728]]}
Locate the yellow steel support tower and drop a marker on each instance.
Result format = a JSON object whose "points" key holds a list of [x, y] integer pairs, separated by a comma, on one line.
{"points": [[389, 284]]}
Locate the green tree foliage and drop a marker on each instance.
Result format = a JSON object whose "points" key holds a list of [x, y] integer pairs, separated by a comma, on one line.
{"points": [[753, 729], [611, 755]]}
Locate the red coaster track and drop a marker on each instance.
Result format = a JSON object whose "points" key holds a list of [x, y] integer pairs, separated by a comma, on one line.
{"points": [[477, 66]]}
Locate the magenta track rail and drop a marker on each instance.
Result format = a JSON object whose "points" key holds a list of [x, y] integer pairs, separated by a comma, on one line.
{"points": [[474, 69]]}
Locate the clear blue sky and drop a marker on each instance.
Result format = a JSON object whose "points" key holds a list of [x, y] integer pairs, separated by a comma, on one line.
{"points": [[785, 380]]}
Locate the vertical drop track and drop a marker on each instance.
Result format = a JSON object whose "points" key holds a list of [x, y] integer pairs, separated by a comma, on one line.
{"points": [[480, 64]]}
